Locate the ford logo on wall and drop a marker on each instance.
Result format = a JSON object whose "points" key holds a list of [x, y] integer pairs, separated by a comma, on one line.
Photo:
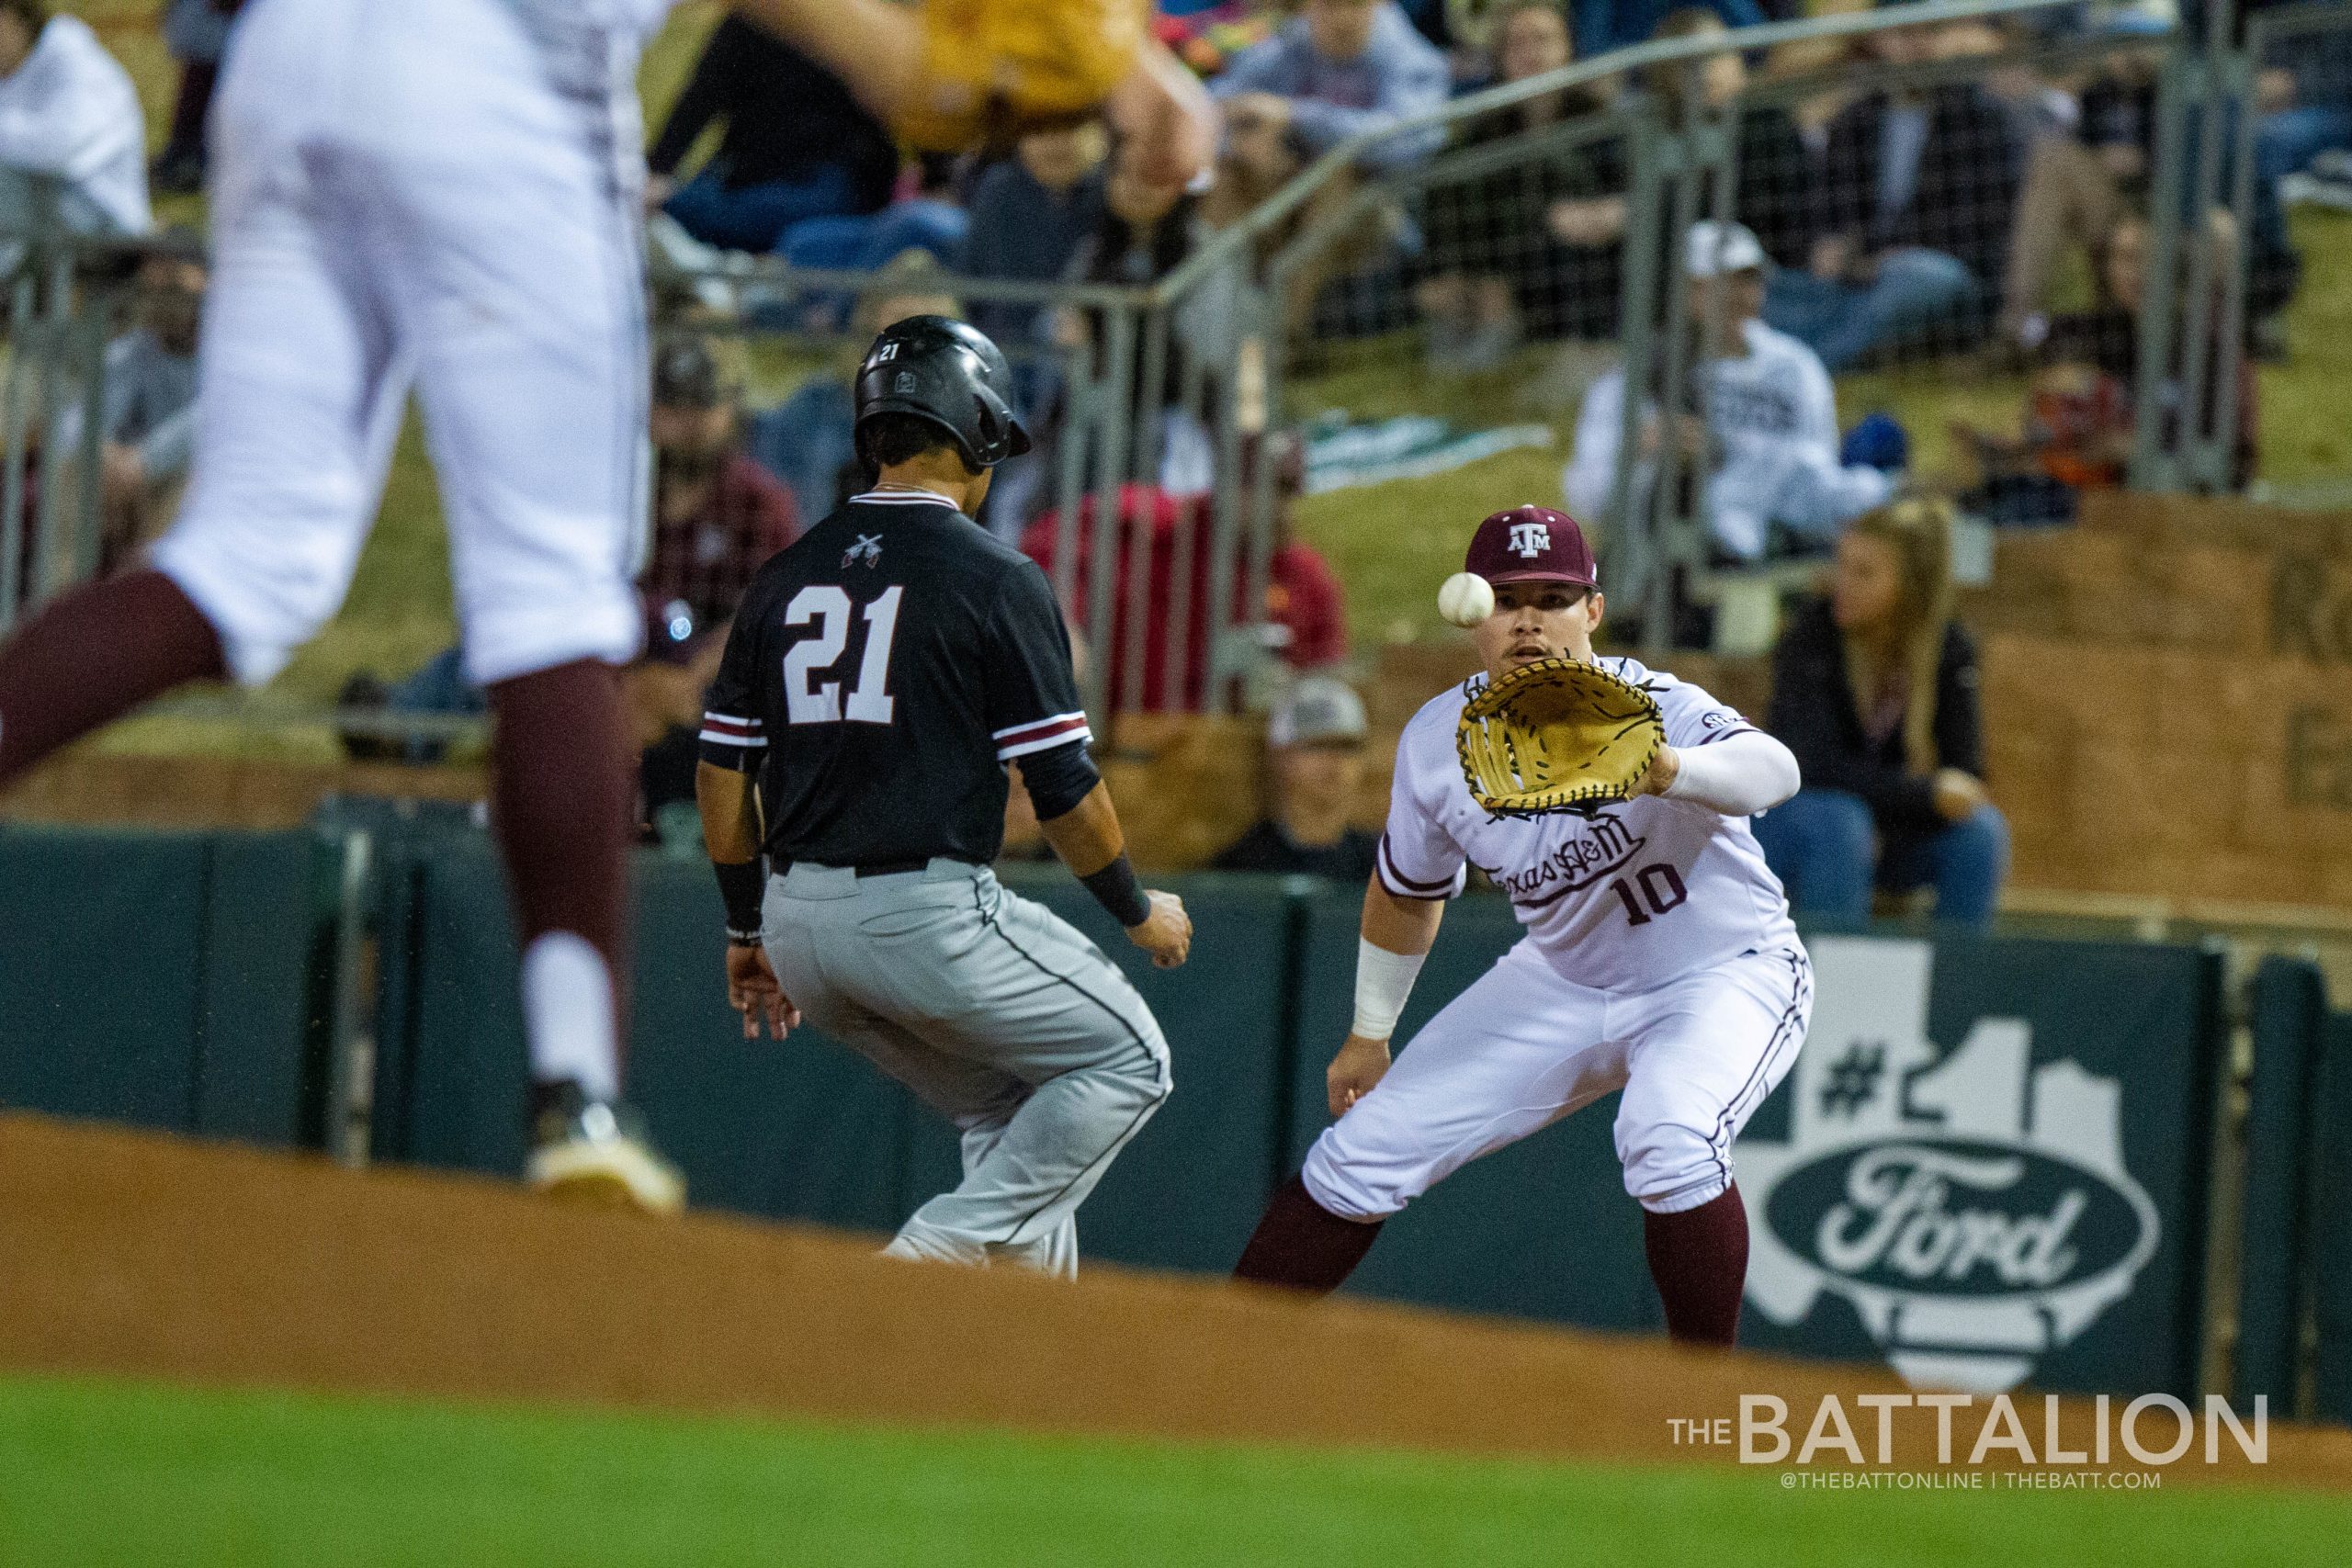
{"points": [[1973, 1209]]}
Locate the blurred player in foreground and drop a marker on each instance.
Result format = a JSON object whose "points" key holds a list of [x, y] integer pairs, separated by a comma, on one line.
{"points": [[881, 674], [1660, 959], [444, 195]]}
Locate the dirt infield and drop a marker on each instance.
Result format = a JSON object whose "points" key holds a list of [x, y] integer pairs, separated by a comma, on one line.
{"points": [[147, 1256]]}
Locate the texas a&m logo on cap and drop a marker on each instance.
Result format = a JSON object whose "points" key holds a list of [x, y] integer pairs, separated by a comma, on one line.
{"points": [[1532, 543]]}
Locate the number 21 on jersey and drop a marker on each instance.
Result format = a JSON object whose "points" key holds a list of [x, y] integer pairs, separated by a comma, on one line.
{"points": [[808, 701]]}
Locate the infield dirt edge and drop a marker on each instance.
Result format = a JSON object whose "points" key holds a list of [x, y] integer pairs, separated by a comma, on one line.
{"points": [[145, 1255]]}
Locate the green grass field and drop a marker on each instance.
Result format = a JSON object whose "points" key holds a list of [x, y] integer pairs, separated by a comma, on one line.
{"points": [[125, 1475]]}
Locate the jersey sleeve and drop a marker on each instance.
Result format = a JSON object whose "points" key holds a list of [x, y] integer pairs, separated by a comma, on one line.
{"points": [[1694, 719], [1032, 689], [734, 731], [1417, 857]]}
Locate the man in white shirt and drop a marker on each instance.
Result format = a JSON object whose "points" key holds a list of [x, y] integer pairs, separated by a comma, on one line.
{"points": [[1762, 445], [68, 113]]}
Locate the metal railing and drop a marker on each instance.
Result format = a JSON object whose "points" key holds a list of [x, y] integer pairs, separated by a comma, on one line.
{"points": [[65, 293]]}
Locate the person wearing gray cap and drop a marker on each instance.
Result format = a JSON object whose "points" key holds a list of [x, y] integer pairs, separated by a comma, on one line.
{"points": [[1759, 438], [1315, 755]]}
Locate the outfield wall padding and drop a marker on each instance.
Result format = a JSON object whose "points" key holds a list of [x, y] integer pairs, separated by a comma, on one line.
{"points": [[166, 979]]}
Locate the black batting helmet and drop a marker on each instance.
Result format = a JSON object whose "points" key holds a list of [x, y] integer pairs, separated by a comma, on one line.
{"points": [[937, 369]]}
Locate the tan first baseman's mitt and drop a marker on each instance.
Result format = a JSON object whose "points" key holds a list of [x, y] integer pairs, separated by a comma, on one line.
{"points": [[1557, 735], [992, 67]]}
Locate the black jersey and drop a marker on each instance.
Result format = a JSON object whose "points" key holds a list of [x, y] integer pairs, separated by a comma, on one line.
{"points": [[880, 674]]}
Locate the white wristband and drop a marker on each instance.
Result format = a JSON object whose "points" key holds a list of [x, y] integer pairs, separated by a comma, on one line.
{"points": [[1384, 980]]}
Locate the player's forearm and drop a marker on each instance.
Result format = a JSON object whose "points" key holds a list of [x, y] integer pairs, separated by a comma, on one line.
{"points": [[1087, 839], [1739, 776], [731, 820], [731, 832], [1396, 936]]}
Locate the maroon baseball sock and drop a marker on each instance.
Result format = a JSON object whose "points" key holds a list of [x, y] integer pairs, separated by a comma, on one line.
{"points": [[563, 803], [94, 654], [1301, 1245], [1699, 1259]]}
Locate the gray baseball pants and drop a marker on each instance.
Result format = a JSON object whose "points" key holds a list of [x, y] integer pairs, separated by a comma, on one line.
{"points": [[998, 1016]]}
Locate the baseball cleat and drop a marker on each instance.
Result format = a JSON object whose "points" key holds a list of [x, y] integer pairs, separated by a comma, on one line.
{"points": [[587, 1151]]}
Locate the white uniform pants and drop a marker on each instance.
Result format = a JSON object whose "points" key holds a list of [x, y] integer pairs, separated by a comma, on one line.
{"points": [[1522, 1047], [424, 193]]}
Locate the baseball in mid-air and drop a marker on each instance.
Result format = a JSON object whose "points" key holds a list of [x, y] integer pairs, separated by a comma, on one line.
{"points": [[1465, 599]]}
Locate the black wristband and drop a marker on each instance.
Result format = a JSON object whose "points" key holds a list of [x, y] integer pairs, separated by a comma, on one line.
{"points": [[742, 887], [1115, 888]]}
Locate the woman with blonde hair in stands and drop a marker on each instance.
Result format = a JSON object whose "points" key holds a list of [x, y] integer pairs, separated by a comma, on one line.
{"points": [[1874, 688]]}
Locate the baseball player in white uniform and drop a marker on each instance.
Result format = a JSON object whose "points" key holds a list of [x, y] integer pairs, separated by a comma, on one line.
{"points": [[1660, 959]]}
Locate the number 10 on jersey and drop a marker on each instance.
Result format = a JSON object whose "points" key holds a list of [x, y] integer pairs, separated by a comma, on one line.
{"points": [[869, 700]]}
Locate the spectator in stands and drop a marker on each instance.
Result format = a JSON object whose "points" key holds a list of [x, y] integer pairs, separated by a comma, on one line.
{"points": [[68, 113], [148, 416], [1532, 249], [2077, 428], [1314, 774], [1302, 622], [925, 217], [717, 516], [1774, 180], [1604, 25], [2302, 151], [2037, 108], [1341, 67], [797, 144], [2077, 188], [1147, 230], [1142, 231], [197, 32], [806, 440], [1876, 689], [1912, 216], [1030, 213], [1758, 437]]}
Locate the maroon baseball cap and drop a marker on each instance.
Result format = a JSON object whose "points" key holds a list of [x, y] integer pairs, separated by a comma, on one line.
{"points": [[1532, 543]]}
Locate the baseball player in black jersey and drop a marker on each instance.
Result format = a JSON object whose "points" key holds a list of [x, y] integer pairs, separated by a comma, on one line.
{"points": [[881, 674]]}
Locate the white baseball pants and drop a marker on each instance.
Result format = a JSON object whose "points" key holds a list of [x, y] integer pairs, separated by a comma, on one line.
{"points": [[1522, 1047]]}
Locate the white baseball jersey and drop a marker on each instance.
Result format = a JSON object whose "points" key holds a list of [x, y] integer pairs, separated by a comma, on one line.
{"points": [[1625, 901]]}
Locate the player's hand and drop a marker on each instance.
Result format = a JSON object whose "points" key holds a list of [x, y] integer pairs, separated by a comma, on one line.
{"points": [[1360, 1064], [1665, 767], [1958, 794], [1166, 933], [754, 991]]}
